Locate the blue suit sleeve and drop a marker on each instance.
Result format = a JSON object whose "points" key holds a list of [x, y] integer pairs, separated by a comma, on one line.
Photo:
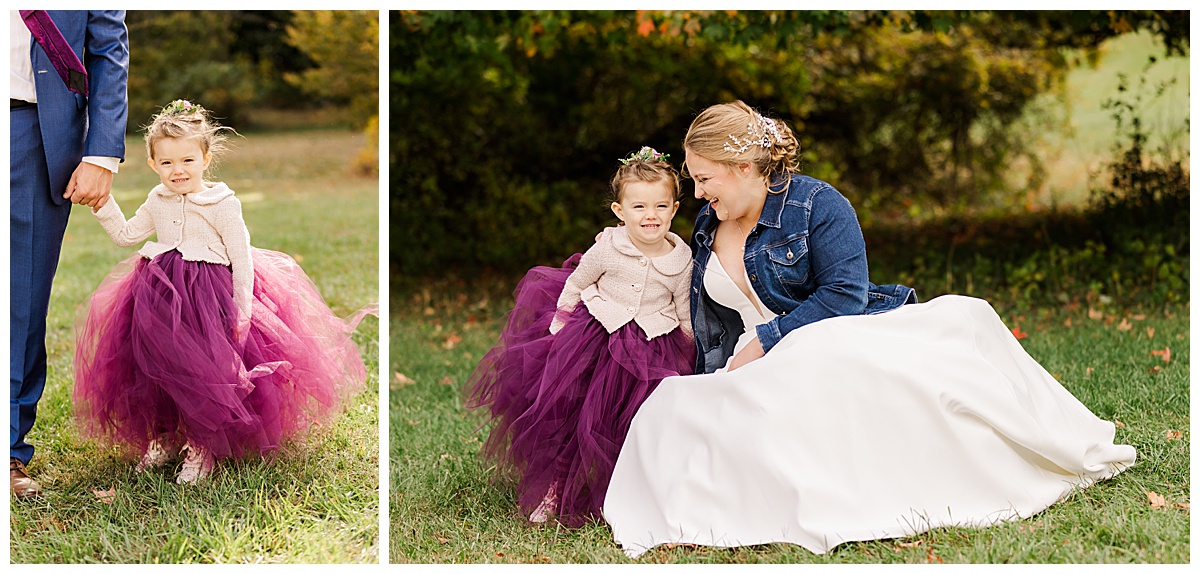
{"points": [[838, 256], [106, 56]]}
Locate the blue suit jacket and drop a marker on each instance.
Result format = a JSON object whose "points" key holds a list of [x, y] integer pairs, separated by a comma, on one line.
{"points": [[74, 126]]}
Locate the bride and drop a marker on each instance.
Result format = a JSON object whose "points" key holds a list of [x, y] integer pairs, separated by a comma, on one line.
{"points": [[831, 409]]}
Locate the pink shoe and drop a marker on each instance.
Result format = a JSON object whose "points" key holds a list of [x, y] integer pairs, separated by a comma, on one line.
{"points": [[548, 506], [156, 455], [197, 464]]}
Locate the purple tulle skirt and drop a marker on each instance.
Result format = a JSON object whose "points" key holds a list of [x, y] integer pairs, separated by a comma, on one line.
{"points": [[157, 356], [562, 403]]}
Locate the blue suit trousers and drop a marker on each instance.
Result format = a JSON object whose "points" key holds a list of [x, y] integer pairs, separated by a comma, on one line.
{"points": [[36, 233]]}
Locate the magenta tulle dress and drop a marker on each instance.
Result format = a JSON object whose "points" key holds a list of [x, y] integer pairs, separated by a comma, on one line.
{"points": [[157, 356], [561, 404]]}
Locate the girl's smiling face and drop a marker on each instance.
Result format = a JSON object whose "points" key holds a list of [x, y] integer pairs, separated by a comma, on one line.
{"points": [[180, 164], [646, 207]]}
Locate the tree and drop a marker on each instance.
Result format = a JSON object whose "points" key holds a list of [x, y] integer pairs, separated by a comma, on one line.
{"points": [[344, 45], [506, 125], [179, 54]]}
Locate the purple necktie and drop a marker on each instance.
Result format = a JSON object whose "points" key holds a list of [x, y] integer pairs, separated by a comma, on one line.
{"points": [[66, 63]]}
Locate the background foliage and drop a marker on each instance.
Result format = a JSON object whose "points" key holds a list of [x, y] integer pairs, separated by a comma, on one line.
{"points": [[253, 67], [506, 125]]}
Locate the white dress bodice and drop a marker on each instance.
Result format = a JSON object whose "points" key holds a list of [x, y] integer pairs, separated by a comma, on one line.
{"points": [[725, 292]]}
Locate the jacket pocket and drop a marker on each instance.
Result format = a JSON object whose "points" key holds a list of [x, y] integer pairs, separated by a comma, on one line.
{"points": [[789, 260]]}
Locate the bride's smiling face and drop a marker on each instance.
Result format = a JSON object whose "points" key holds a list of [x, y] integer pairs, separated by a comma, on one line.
{"points": [[724, 187]]}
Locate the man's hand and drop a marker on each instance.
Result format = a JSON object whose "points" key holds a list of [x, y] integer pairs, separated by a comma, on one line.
{"points": [[90, 185]]}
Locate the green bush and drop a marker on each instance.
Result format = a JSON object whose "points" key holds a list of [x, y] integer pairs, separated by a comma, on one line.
{"points": [[505, 125]]}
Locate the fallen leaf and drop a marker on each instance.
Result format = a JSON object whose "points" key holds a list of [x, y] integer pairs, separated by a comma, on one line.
{"points": [[500, 555], [1016, 331], [1155, 369], [429, 311], [106, 496], [413, 423], [402, 381], [931, 557], [443, 540], [671, 545], [1118, 423], [1156, 500], [1125, 325], [1150, 332], [1139, 317], [1164, 353], [447, 381], [451, 341], [447, 456], [1174, 435], [909, 544], [1088, 373], [1095, 314], [1185, 505], [1067, 323]]}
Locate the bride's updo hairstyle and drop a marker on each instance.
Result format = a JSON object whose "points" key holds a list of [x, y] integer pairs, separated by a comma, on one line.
{"points": [[184, 120], [646, 165], [734, 133]]}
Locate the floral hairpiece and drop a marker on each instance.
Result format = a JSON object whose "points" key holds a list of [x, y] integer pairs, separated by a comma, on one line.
{"points": [[760, 131], [647, 153], [180, 107]]}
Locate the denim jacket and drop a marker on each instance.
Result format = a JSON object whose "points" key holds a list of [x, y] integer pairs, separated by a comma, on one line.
{"points": [[807, 261]]}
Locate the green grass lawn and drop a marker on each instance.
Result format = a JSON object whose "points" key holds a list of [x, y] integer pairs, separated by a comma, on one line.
{"points": [[319, 501], [446, 505]]}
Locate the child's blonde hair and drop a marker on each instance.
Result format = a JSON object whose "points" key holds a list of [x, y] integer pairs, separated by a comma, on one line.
{"points": [[645, 165], [733, 133], [185, 120]]}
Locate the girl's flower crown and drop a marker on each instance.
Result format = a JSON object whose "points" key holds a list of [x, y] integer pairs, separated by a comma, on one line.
{"points": [[179, 107], [760, 131], [647, 153]]}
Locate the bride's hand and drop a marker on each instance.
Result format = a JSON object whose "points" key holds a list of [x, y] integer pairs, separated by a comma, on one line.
{"points": [[750, 352]]}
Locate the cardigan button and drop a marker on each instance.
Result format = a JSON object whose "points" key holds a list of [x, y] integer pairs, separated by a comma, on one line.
{"points": [[637, 287], [630, 309], [642, 261]]}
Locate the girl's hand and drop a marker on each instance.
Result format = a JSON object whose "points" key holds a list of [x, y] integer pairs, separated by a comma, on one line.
{"points": [[242, 329], [748, 353]]}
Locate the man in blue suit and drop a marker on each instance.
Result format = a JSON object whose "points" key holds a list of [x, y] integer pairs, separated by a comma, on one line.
{"points": [[65, 148]]}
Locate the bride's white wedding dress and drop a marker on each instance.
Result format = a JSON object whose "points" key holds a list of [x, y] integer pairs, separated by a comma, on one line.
{"points": [[855, 428]]}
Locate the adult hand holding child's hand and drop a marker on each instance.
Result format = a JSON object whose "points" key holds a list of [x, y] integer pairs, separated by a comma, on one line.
{"points": [[90, 185]]}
